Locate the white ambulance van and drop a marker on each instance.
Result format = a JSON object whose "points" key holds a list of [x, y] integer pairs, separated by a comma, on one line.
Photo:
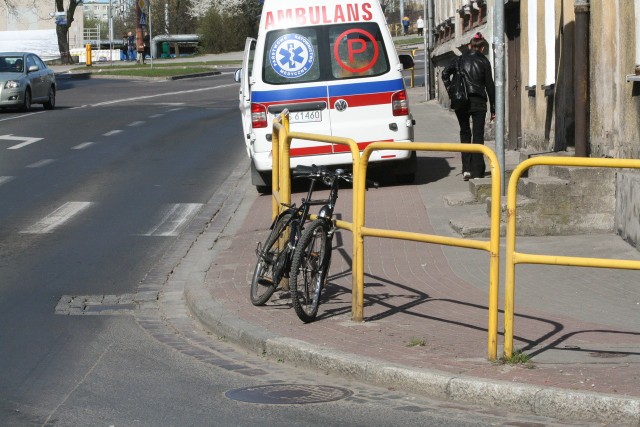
{"points": [[333, 65]]}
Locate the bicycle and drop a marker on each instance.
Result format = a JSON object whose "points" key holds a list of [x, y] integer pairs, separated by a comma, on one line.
{"points": [[276, 254], [312, 255]]}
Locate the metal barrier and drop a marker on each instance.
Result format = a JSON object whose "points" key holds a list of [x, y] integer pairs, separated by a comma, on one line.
{"points": [[513, 257], [492, 246], [281, 190]]}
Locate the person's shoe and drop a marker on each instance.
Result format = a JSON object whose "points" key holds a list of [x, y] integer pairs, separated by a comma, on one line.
{"points": [[466, 176]]}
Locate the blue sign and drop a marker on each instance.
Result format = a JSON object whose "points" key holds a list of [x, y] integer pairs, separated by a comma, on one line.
{"points": [[292, 55]]}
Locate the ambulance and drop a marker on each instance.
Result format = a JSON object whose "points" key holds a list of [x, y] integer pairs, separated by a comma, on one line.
{"points": [[333, 65]]}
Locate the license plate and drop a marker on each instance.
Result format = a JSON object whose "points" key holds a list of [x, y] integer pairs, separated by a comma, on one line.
{"points": [[305, 116]]}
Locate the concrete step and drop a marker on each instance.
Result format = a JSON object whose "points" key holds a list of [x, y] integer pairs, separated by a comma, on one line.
{"points": [[460, 198]]}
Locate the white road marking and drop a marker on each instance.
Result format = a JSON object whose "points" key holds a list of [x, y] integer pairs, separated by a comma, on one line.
{"points": [[5, 179], [155, 116], [176, 109], [171, 104], [26, 140], [40, 163], [181, 92], [22, 116], [56, 218], [82, 146], [174, 217], [138, 123], [112, 132]]}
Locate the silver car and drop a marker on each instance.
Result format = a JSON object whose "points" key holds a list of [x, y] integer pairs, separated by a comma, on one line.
{"points": [[24, 80]]}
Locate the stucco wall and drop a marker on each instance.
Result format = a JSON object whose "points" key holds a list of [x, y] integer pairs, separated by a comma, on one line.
{"points": [[615, 103]]}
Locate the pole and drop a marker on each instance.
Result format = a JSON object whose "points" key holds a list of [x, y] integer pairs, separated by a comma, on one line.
{"points": [[401, 16], [150, 35], [427, 59], [431, 26], [110, 32], [498, 59]]}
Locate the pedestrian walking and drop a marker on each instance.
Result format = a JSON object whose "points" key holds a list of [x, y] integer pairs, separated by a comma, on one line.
{"points": [[420, 26], [478, 78], [147, 46], [131, 46], [405, 24]]}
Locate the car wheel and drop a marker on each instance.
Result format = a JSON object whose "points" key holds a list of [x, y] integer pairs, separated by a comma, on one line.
{"points": [[26, 103], [51, 103]]}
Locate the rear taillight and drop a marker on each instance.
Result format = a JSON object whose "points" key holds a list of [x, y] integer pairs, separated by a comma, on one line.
{"points": [[400, 104], [258, 116]]}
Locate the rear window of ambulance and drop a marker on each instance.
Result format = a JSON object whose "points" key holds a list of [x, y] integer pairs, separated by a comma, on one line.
{"points": [[330, 52]]}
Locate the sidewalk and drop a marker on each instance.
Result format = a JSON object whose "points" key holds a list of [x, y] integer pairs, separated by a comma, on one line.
{"points": [[581, 326]]}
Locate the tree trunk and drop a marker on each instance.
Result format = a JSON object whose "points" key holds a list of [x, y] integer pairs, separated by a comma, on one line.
{"points": [[62, 31], [63, 44]]}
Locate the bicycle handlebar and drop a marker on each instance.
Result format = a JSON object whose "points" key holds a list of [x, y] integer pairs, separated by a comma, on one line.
{"points": [[322, 172]]}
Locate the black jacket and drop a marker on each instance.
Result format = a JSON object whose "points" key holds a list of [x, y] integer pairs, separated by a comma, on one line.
{"points": [[478, 76]]}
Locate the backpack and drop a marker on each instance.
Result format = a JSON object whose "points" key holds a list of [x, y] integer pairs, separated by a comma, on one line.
{"points": [[458, 88]]}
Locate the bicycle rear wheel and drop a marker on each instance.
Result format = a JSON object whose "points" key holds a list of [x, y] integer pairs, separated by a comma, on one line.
{"points": [[263, 284], [309, 269]]}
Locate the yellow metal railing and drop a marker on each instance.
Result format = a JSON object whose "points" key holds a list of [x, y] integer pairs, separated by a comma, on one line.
{"points": [[492, 246], [512, 257], [281, 190]]}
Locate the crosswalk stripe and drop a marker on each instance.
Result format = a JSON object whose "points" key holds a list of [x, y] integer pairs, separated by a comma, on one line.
{"points": [[56, 218], [5, 179], [174, 218]]}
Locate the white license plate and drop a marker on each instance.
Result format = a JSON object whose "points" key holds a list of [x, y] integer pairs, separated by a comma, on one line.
{"points": [[305, 116]]}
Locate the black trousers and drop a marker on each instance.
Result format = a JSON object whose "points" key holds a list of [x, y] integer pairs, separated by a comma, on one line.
{"points": [[474, 113]]}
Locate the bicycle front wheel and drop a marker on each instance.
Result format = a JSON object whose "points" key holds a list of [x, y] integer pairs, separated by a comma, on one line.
{"points": [[263, 284], [309, 269]]}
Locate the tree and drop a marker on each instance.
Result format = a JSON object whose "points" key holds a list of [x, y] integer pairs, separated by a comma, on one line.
{"points": [[62, 28]]}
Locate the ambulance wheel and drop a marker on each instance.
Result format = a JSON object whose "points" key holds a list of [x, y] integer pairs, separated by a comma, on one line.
{"points": [[405, 172], [405, 178], [262, 180]]}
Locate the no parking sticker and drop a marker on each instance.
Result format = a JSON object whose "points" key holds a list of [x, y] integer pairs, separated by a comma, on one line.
{"points": [[291, 55], [358, 59]]}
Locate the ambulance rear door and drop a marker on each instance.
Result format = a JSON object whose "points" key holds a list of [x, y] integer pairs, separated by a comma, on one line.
{"points": [[293, 73]]}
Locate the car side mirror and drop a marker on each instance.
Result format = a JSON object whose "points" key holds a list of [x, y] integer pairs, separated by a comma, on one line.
{"points": [[33, 68], [237, 76], [406, 61]]}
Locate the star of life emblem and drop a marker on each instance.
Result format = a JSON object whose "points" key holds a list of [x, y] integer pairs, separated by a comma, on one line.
{"points": [[291, 55]]}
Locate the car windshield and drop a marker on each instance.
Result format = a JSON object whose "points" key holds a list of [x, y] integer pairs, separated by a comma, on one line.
{"points": [[11, 64]]}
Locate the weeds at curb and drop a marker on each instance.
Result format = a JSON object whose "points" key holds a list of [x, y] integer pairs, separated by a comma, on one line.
{"points": [[517, 358], [416, 342]]}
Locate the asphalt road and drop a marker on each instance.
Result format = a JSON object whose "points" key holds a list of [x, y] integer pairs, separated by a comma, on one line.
{"points": [[99, 197]]}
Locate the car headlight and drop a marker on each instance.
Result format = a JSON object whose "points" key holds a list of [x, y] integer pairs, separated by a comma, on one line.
{"points": [[12, 84]]}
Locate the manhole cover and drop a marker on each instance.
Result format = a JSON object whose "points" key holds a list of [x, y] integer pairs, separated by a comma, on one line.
{"points": [[280, 394]]}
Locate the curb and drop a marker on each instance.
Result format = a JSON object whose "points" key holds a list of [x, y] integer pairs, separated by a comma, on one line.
{"points": [[524, 398], [89, 74]]}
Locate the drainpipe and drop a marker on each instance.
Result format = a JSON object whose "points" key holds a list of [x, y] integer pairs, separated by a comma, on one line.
{"points": [[498, 59], [636, 7], [581, 88]]}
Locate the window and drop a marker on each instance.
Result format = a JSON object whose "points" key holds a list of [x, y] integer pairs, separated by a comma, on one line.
{"points": [[321, 53]]}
